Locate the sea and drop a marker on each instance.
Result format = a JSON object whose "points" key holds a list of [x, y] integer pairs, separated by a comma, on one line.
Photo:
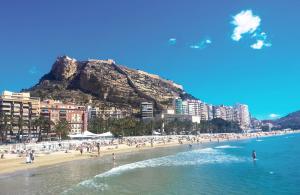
{"points": [[212, 168]]}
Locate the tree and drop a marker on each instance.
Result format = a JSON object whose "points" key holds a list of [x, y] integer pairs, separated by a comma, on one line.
{"points": [[219, 125], [97, 125], [44, 124], [37, 124], [62, 129], [20, 128], [29, 126]]}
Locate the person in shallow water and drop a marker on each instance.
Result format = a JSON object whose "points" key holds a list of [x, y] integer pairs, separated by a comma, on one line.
{"points": [[254, 155], [114, 157]]}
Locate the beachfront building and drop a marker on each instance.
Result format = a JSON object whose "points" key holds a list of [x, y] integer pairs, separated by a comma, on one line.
{"points": [[238, 113], [21, 109], [185, 109], [74, 114], [242, 115], [178, 106], [93, 112], [147, 110], [181, 117], [210, 111], [106, 113], [188, 107], [204, 111], [194, 107], [216, 112]]}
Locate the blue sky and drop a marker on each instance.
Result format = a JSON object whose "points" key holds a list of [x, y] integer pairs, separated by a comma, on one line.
{"points": [[196, 43]]}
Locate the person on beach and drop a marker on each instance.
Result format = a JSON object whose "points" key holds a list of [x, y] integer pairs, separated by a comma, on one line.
{"points": [[114, 157], [31, 156], [253, 155], [98, 148], [28, 160], [81, 150]]}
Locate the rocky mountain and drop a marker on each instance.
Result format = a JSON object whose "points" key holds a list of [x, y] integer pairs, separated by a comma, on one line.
{"points": [[105, 83], [292, 121]]}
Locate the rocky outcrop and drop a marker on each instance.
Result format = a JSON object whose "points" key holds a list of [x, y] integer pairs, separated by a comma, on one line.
{"points": [[64, 68], [104, 83]]}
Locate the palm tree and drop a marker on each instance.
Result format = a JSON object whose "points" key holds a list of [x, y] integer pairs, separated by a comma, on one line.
{"points": [[6, 125], [62, 129], [29, 125], [40, 124], [48, 124], [36, 124], [20, 126]]}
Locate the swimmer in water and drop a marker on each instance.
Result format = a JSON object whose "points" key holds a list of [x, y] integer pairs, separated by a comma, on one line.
{"points": [[254, 155]]}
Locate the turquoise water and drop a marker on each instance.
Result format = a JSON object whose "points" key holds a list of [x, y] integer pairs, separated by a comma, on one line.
{"points": [[224, 168]]}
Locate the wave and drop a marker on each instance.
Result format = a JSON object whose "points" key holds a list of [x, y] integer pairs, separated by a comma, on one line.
{"points": [[226, 146], [189, 158]]}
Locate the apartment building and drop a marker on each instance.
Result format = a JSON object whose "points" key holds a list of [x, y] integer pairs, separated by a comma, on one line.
{"points": [[243, 115], [109, 112], [147, 110], [19, 107], [74, 114]]}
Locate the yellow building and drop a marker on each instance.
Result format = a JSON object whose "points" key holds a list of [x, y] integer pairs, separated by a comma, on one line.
{"points": [[19, 107]]}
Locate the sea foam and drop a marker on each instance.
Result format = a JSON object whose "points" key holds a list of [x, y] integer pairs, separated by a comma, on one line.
{"points": [[189, 158], [226, 146]]}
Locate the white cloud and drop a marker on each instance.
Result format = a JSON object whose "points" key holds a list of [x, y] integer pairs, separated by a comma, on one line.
{"points": [[245, 22], [273, 116], [194, 46], [261, 41], [203, 44], [258, 45], [208, 41], [172, 41]]}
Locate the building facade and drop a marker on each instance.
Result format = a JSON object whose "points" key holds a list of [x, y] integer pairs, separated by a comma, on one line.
{"points": [[243, 115], [21, 108], [147, 110], [74, 114]]}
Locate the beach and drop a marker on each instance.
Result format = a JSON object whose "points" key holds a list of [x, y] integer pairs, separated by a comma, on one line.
{"points": [[52, 153]]}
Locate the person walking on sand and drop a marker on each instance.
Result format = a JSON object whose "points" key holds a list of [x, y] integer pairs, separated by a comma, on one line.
{"points": [[31, 156], [98, 148], [81, 150], [114, 157], [28, 160]]}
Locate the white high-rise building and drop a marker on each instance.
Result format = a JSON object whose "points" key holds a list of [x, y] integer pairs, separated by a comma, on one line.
{"points": [[194, 107], [204, 111], [210, 111], [243, 115], [185, 110]]}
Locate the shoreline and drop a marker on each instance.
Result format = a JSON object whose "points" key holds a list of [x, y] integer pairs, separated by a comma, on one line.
{"points": [[13, 164]]}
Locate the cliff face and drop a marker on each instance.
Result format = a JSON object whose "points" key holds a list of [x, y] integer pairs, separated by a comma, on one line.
{"points": [[105, 83]]}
